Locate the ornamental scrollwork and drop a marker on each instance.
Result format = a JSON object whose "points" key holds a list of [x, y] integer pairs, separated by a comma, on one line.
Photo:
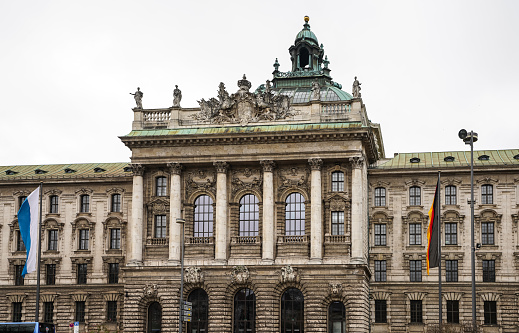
{"points": [[247, 179], [240, 274], [244, 106], [199, 181], [335, 288], [193, 275], [289, 274], [150, 290]]}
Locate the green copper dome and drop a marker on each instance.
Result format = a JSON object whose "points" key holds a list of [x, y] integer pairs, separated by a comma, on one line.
{"points": [[306, 34]]}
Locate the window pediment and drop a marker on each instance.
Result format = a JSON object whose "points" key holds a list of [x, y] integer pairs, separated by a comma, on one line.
{"points": [[84, 191]]}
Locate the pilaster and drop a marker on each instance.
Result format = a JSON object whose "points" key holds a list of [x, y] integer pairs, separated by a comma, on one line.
{"points": [[175, 212], [268, 211], [220, 252], [316, 223]]}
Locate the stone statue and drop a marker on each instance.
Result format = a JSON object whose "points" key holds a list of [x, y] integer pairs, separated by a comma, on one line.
{"points": [[177, 97], [138, 97], [316, 91], [356, 88]]}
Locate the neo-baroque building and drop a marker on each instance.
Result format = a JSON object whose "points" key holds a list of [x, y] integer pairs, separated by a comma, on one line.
{"points": [[294, 220]]}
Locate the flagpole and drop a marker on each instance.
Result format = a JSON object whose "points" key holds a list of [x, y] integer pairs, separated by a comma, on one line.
{"points": [[37, 314], [439, 251]]}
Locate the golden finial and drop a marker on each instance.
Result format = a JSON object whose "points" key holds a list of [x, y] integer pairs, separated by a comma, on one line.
{"points": [[307, 19]]}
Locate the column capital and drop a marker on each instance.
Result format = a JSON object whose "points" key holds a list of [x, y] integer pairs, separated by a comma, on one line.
{"points": [[268, 165], [137, 169], [315, 163], [357, 162], [175, 168], [221, 166]]}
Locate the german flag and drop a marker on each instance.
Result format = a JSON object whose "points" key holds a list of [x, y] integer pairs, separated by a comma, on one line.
{"points": [[433, 247]]}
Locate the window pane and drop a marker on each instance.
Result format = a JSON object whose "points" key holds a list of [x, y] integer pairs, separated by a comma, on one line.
{"points": [[295, 215], [160, 186], [244, 311], [380, 196], [200, 312], [203, 218], [337, 181], [380, 311], [292, 311], [249, 215]]}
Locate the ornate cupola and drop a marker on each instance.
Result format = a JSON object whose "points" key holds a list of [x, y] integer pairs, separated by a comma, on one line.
{"points": [[306, 54]]}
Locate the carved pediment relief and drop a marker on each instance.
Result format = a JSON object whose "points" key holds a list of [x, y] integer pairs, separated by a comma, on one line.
{"points": [[158, 206], [486, 180], [247, 179], [415, 217], [84, 191], [53, 192], [381, 217], [52, 224], [200, 180], [414, 182], [293, 178], [114, 190], [451, 181], [243, 106]]}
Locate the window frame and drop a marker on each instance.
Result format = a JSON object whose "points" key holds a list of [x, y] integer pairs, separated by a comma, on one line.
{"points": [[489, 270], [115, 239], [337, 223], [20, 245], [203, 216], [52, 242], [82, 273], [490, 312], [415, 196], [295, 215], [200, 315], [17, 312], [451, 270], [487, 236], [451, 237], [160, 229], [113, 273], [84, 202], [380, 270], [380, 197], [48, 312], [116, 203], [79, 311], [336, 314], [415, 237], [161, 186], [294, 305], [337, 181], [50, 274], [487, 194], [416, 311], [244, 310], [381, 311], [380, 235], [415, 270], [450, 195], [18, 279], [453, 311], [111, 311], [53, 204], [84, 239], [248, 223]]}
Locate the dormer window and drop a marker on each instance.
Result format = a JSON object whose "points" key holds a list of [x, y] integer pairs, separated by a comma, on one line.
{"points": [[414, 160], [515, 157], [99, 170], [449, 159], [40, 171], [10, 172], [484, 158], [69, 170], [127, 169]]}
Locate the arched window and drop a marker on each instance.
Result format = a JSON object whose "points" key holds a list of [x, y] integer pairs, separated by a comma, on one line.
{"points": [[200, 312], [415, 198], [244, 311], [380, 196], [295, 215], [450, 195], [303, 58], [336, 318], [337, 181], [154, 318], [203, 218], [249, 215], [292, 311], [161, 186]]}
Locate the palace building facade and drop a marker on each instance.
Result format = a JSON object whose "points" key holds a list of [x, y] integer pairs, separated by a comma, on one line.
{"points": [[294, 221]]}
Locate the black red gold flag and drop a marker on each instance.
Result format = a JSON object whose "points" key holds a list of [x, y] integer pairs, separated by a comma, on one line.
{"points": [[433, 246]]}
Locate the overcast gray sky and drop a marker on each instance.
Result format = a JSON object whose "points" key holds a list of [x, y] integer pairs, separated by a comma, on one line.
{"points": [[427, 68]]}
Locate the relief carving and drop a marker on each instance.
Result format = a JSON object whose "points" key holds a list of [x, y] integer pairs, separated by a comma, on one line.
{"points": [[137, 169], [193, 275], [268, 165], [246, 179], [240, 275], [200, 181], [244, 106], [150, 290], [294, 178], [175, 168], [335, 288], [289, 274]]}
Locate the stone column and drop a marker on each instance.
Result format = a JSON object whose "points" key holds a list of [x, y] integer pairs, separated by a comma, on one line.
{"points": [[136, 226], [175, 212], [316, 222], [357, 212], [220, 250], [268, 212]]}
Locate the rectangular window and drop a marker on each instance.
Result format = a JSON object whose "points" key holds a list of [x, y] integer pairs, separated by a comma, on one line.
{"points": [[17, 312], [20, 201], [415, 198], [415, 270], [53, 240], [487, 194], [487, 233], [116, 202], [83, 239], [380, 235], [50, 274], [451, 270], [115, 239], [111, 315], [380, 311], [453, 312], [489, 271], [490, 308], [337, 181], [18, 279], [416, 311], [337, 223], [85, 203], [380, 196], [82, 270], [451, 234], [48, 312], [80, 311], [161, 186], [113, 273], [20, 246], [450, 195], [160, 226], [53, 209], [380, 271], [415, 234]]}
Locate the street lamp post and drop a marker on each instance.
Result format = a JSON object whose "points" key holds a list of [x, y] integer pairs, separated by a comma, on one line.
{"points": [[469, 139], [181, 307]]}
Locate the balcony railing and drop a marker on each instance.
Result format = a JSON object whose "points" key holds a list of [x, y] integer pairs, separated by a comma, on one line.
{"points": [[336, 238], [199, 240], [293, 239], [335, 111], [246, 240], [157, 241]]}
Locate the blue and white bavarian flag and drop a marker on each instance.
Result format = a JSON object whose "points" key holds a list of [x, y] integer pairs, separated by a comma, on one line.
{"points": [[29, 223]]}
